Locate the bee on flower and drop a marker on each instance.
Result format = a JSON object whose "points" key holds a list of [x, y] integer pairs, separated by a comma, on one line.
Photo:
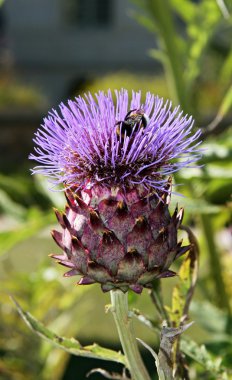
{"points": [[134, 120]]}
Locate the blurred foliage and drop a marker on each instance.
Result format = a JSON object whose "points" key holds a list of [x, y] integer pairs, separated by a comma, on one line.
{"points": [[130, 81], [193, 43], [18, 96]]}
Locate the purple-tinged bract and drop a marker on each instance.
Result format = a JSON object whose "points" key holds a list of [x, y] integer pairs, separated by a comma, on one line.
{"points": [[91, 141], [115, 162]]}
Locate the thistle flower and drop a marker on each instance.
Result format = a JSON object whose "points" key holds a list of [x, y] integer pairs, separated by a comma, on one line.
{"points": [[115, 163]]}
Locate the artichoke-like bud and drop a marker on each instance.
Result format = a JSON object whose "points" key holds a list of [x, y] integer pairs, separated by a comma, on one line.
{"points": [[115, 166], [118, 240]]}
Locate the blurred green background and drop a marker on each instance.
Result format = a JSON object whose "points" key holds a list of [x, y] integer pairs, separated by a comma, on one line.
{"points": [[49, 51]]}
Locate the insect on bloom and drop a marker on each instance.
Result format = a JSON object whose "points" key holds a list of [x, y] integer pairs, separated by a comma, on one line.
{"points": [[115, 161]]}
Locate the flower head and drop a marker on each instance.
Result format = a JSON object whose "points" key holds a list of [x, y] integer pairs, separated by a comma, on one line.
{"points": [[94, 141], [115, 162]]}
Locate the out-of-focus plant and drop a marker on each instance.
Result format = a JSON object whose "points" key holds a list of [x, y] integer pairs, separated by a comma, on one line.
{"points": [[188, 36], [130, 81], [19, 96]]}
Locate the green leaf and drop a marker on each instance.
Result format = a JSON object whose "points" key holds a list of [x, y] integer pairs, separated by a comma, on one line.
{"points": [[35, 222], [202, 356], [17, 187], [11, 208], [216, 324], [159, 55], [57, 198], [145, 21], [185, 8], [70, 345], [183, 291], [194, 207], [200, 28], [226, 70]]}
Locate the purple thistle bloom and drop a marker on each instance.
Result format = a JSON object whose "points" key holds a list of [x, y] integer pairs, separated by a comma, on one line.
{"points": [[115, 162], [94, 141]]}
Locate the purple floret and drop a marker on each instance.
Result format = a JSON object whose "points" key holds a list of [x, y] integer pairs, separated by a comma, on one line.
{"points": [[81, 145]]}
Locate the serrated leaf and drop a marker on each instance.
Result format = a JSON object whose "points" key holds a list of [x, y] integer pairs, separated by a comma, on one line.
{"points": [[70, 345]]}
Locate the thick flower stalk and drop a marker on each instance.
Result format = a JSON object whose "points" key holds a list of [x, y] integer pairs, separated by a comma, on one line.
{"points": [[115, 161]]}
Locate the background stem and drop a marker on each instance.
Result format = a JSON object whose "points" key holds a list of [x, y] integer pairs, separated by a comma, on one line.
{"points": [[215, 264], [162, 14], [119, 302]]}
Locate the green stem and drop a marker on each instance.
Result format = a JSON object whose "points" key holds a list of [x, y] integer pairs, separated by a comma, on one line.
{"points": [[162, 14], [215, 263], [156, 297], [214, 257], [119, 302]]}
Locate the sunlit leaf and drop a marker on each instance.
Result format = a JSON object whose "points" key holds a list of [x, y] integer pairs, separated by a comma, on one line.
{"points": [[70, 345], [185, 8], [183, 291]]}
